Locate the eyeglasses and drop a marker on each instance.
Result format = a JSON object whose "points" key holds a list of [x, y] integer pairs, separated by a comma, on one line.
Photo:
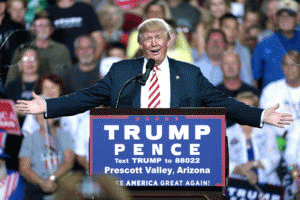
{"points": [[42, 25], [26, 59]]}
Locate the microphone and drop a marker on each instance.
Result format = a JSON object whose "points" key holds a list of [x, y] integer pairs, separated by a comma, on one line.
{"points": [[149, 67], [141, 78]]}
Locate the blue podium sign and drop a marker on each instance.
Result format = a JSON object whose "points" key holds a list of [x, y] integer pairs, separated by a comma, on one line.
{"points": [[159, 150]]}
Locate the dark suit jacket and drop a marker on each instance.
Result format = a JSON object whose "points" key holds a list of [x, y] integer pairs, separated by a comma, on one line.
{"points": [[189, 88]]}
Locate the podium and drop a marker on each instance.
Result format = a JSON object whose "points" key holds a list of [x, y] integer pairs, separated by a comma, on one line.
{"points": [[161, 153]]}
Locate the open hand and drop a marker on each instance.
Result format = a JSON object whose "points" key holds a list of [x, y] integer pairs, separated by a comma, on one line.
{"points": [[252, 177], [275, 118], [247, 171], [35, 106]]}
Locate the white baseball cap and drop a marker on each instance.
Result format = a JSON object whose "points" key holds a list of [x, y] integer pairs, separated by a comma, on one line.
{"points": [[288, 5]]}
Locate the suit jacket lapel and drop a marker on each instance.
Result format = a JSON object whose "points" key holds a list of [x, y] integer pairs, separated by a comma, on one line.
{"points": [[136, 102], [174, 84]]}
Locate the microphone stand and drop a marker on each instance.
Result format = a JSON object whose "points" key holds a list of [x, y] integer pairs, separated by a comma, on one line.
{"points": [[141, 78], [2, 71], [138, 78]]}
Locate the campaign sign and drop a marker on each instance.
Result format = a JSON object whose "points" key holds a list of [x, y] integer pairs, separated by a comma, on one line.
{"points": [[160, 150], [8, 118], [243, 190]]}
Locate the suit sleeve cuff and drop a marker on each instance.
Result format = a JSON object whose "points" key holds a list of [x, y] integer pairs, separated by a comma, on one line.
{"points": [[46, 109], [261, 119]]}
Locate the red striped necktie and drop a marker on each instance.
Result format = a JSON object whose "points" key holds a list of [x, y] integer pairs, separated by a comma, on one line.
{"points": [[154, 93]]}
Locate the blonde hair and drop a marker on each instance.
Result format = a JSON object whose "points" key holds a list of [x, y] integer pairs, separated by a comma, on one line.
{"points": [[162, 4], [153, 25], [104, 9], [208, 19], [248, 96]]}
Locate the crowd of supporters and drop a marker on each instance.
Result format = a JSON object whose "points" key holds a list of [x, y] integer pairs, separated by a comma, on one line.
{"points": [[248, 49]]}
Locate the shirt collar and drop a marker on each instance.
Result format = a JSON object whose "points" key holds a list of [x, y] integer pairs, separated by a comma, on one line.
{"points": [[162, 66], [51, 44]]}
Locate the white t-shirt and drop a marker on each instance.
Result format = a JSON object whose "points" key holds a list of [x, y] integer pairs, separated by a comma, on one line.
{"points": [[69, 124], [288, 98], [83, 136]]}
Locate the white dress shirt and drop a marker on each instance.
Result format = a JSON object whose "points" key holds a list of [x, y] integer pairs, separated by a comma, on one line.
{"points": [[163, 74]]}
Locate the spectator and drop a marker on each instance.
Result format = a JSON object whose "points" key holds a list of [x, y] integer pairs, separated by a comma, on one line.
{"points": [[186, 17], [232, 84], [238, 8], [253, 152], [111, 19], [23, 86], [210, 60], [51, 86], [179, 47], [86, 72], [12, 184], [268, 54], [28, 64], [209, 20], [154, 9], [133, 12], [250, 19], [250, 38], [132, 9], [230, 26], [54, 56], [72, 19], [286, 91], [269, 7], [45, 157], [116, 50], [17, 10], [114, 53], [14, 33]]}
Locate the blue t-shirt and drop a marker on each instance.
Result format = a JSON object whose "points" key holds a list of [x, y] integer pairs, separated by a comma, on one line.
{"points": [[42, 163], [17, 192], [267, 57]]}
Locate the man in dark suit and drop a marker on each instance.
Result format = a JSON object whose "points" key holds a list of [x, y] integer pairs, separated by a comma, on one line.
{"points": [[173, 84]]}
